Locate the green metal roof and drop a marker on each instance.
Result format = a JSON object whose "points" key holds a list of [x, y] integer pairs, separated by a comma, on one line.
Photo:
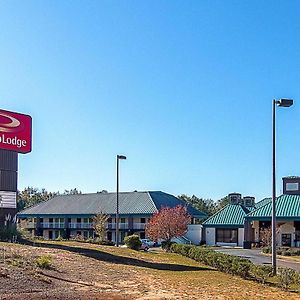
{"points": [[287, 206], [231, 214], [130, 203], [262, 202]]}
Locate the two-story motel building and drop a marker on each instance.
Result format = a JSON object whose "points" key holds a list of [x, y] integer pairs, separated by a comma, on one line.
{"points": [[71, 215]]}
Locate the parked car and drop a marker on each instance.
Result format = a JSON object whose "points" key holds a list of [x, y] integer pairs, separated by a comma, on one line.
{"points": [[144, 246], [148, 242]]}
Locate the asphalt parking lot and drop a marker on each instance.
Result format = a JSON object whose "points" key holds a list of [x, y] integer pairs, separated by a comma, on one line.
{"points": [[258, 258]]}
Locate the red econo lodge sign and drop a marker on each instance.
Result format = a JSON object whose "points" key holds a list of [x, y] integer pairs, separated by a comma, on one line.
{"points": [[15, 131]]}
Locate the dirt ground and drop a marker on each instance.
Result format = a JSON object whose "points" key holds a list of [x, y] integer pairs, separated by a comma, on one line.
{"points": [[81, 271]]}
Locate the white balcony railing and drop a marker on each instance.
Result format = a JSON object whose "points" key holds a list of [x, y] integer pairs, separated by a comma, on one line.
{"points": [[86, 225], [52, 225], [121, 226], [81, 225], [139, 225]]}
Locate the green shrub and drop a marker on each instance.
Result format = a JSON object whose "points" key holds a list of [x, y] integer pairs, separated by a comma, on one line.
{"points": [[288, 252], [44, 262], [261, 272], [223, 262], [106, 243], [180, 249], [9, 233], [133, 242], [236, 265], [267, 250], [297, 277], [166, 245], [286, 276]]}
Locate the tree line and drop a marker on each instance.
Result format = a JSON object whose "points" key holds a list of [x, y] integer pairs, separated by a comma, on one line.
{"points": [[31, 196], [208, 206]]}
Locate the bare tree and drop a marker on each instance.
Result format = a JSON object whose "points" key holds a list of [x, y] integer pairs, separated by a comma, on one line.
{"points": [[99, 224]]}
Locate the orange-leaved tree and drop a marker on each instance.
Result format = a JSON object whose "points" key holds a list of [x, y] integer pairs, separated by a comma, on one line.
{"points": [[168, 222]]}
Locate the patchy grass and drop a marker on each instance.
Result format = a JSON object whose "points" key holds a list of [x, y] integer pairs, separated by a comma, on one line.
{"points": [[93, 270]]}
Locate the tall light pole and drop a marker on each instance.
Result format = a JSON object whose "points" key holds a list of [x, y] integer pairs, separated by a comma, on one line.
{"points": [[282, 103], [117, 212]]}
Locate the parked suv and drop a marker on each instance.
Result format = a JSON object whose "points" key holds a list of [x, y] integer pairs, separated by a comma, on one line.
{"points": [[148, 242]]}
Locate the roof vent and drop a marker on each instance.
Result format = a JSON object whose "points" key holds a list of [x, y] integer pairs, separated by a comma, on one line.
{"points": [[249, 201], [235, 198]]}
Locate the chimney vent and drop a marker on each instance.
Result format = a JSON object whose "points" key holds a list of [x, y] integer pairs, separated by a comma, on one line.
{"points": [[235, 198]]}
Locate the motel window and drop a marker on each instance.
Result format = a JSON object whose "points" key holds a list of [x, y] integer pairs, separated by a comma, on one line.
{"points": [[91, 220], [123, 220], [56, 220], [143, 220], [85, 234], [109, 220], [78, 220], [286, 239], [61, 220], [226, 235], [85, 220], [50, 220]]}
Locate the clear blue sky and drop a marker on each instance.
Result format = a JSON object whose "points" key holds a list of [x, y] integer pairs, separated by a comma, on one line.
{"points": [[183, 88]]}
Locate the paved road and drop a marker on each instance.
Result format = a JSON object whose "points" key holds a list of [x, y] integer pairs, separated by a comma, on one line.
{"points": [[258, 258]]}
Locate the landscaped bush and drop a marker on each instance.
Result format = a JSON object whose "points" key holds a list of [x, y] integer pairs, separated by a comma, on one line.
{"points": [[166, 245], [286, 276], [133, 242], [94, 241], [283, 251], [236, 265], [8, 234], [181, 249], [223, 262], [261, 273], [104, 243], [267, 250]]}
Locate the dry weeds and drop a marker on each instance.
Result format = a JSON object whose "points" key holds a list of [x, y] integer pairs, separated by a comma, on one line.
{"points": [[83, 271]]}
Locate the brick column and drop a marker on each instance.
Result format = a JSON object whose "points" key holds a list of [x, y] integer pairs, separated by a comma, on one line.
{"points": [[247, 234]]}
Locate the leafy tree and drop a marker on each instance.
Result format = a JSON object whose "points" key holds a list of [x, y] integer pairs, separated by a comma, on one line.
{"points": [[100, 221], [31, 196], [222, 202], [168, 223], [72, 192], [207, 206]]}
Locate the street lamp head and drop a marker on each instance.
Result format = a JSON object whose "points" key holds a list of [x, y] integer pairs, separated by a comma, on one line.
{"points": [[284, 102], [121, 156]]}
